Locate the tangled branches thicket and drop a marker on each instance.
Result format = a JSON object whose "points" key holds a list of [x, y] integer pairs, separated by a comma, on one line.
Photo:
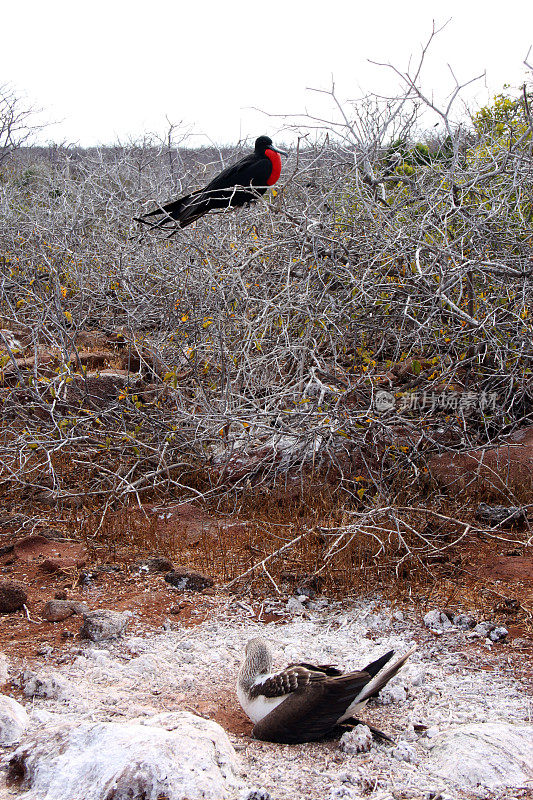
{"points": [[252, 346]]}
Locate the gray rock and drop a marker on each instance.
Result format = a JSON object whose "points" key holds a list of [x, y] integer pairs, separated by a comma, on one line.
{"points": [[13, 720], [188, 579], [98, 388], [464, 621], [45, 650], [58, 610], [482, 630], [173, 755], [501, 516], [498, 634], [484, 754], [13, 596], [104, 624], [437, 620]]}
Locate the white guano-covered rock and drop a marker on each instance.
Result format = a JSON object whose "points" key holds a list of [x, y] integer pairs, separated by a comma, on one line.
{"points": [[488, 754], [173, 755], [358, 740], [48, 686], [13, 720]]}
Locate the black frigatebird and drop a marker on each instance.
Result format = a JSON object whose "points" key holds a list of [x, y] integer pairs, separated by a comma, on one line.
{"points": [[234, 186]]}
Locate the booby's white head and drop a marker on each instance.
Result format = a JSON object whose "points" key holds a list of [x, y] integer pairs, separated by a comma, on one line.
{"points": [[257, 661]]}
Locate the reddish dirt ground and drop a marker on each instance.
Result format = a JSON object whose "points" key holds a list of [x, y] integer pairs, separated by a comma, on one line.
{"points": [[489, 580]]}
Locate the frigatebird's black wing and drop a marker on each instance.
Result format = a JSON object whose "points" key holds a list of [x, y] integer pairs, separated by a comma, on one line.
{"points": [[225, 189]]}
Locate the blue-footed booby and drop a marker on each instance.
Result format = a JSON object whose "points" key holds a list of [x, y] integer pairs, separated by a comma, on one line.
{"points": [[304, 702]]}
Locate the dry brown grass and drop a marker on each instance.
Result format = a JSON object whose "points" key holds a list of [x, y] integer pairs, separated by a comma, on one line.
{"points": [[417, 553]]}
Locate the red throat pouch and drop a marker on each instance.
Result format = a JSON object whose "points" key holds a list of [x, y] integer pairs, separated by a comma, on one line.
{"points": [[275, 159]]}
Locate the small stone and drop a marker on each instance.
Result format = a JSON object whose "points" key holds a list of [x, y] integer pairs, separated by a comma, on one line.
{"points": [[104, 624], [463, 621], [295, 606], [498, 634], [13, 720], [177, 609], [343, 793], [187, 579], [393, 694], [255, 794], [155, 565], [13, 596], [358, 740], [86, 578], [437, 620], [398, 616], [482, 630], [58, 610], [45, 650], [405, 752]]}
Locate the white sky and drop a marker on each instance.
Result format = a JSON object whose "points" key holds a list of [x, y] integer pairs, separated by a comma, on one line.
{"points": [[114, 70]]}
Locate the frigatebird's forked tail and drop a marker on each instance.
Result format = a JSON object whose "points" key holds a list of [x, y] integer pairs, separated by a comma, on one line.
{"points": [[241, 183]]}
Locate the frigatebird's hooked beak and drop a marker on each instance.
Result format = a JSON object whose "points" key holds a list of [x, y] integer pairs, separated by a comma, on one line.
{"points": [[275, 149]]}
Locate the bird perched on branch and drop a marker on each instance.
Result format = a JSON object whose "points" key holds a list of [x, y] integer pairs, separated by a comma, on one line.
{"points": [[304, 702], [236, 185]]}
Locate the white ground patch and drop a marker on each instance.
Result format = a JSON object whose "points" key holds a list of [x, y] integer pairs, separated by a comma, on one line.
{"points": [[440, 688]]}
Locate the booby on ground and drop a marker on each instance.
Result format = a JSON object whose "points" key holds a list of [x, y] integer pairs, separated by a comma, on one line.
{"points": [[305, 702]]}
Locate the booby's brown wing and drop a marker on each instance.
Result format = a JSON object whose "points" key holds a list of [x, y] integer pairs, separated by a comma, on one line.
{"points": [[290, 679], [297, 676], [326, 669], [311, 709]]}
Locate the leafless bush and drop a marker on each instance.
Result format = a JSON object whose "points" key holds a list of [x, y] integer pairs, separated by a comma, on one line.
{"points": [[16, 123], [254, 343]]}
